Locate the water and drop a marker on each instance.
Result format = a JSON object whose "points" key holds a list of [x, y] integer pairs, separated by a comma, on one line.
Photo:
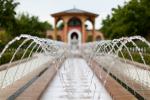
{"points": [[73, 83], [44, 47], [108, 51], [126, 69], [75, 79], [31, 64]]}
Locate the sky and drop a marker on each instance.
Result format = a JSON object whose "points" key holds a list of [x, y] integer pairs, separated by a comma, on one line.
{"points": [[44, 8]]}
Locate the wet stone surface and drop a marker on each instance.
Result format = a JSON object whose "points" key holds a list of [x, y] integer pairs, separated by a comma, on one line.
{"points": [[73, 82]]}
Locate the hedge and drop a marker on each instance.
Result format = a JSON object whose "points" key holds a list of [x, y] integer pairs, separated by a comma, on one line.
{"points": [[136, 57], [8, 55]]}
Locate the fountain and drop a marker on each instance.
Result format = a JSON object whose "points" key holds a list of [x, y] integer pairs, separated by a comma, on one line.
{"points": [[112, 56], [115, 57], [37, 52]]}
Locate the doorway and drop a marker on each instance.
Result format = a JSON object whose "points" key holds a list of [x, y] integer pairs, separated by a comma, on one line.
{"points": [[74, 38]]}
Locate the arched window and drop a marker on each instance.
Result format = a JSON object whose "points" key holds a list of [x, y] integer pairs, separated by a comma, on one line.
{"points": [[74, 22]]}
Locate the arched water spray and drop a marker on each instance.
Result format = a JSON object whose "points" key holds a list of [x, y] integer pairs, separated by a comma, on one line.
{"points": [[37, 48], [110, 56]]}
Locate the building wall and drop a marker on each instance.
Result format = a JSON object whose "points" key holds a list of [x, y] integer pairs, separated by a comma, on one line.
{"points": [[98, 34]]}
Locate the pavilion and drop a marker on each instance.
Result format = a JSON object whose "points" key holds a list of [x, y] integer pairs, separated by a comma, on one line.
{"points": [[74, 26]]}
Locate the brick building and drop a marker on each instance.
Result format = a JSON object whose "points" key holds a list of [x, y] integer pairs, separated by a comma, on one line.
{"points": [[74, 26]]}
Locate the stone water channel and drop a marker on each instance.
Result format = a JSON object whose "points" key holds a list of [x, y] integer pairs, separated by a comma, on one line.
{"points": [[74, 82], [23, 69]]}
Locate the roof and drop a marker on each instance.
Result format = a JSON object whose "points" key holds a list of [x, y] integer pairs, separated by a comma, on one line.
{"points": [[76, 12]]}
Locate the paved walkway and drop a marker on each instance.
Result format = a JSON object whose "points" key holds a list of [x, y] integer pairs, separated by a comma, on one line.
{"points": [[73, 82]]}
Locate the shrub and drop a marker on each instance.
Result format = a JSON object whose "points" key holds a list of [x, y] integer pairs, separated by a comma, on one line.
{"points": [[8, 55], [136, 57]]}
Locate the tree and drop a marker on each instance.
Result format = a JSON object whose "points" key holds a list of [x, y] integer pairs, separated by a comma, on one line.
{"points": [[30, 25], [7, 13], [4, 38], [131, 19]]}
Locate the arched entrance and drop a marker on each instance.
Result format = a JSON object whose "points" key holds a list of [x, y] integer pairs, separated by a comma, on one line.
{"points": [[74, 35], [74, 38]]}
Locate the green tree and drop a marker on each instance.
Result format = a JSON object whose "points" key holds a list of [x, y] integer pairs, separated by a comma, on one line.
{"points": [[4, 38], [7, 13], [131, 19], [30, 25]]}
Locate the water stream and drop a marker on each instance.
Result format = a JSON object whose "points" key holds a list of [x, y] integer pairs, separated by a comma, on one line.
{"points": [[75, 83], [75, 80]]}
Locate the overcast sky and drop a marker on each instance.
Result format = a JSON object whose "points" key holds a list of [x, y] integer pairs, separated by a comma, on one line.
{"points": [[43, 8]]}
